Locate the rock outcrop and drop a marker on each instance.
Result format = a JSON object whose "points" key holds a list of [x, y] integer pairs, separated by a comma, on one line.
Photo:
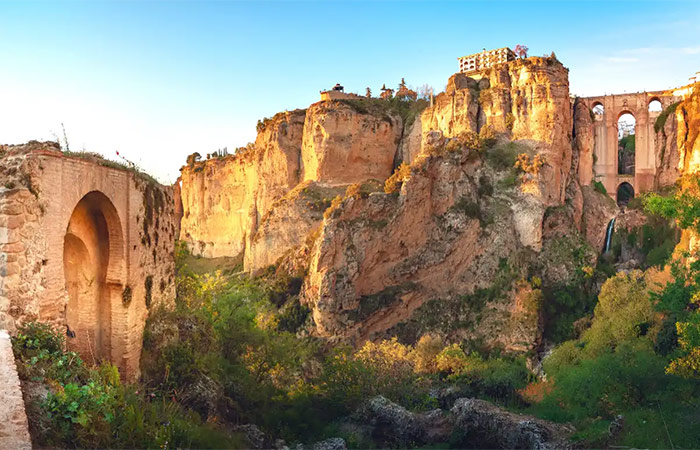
{"points": [[488, 426], [223, 199], [688, 131], [345, 144], [527, 98], [447, 251], [677, 146], [582, 165], [228, 202], [470, 423], [455, 244]]}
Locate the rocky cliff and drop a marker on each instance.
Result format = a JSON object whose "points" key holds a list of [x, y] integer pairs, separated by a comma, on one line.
{"points": [[227, 201], [224, 198], [492, 191], [528, 99], [676, 145]]}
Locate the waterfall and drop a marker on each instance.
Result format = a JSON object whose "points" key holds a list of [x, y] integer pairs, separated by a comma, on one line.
{"points": [[608, 235]]}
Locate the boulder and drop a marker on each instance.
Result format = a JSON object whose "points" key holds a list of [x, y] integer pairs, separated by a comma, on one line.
{"points": [[479, 424]]}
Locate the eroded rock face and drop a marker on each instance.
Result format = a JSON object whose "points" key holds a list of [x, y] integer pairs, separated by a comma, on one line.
{"points": [[598, 210], [230, 204], [224, 199], [454, 241], [528, 98], [688, 130], [378, 259], [470, 423], [584, 140], [380, 262], [343, 145], [667, 154], [288, 223]]}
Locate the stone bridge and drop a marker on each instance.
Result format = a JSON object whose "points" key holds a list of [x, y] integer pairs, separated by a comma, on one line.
{"points": [[86, 247], [607, 111]]}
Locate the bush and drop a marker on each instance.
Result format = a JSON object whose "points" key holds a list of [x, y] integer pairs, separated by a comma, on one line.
{"points": [[396, 180], [487, 137], [90, 408], [661, 119], [599, 187], [502, 157], [38, 349], [529, 165]]}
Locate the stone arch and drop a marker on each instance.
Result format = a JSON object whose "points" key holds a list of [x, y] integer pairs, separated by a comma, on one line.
{"points": [[625, 193], [655, 105], [626, 145], [598, 108], [93, 263]]}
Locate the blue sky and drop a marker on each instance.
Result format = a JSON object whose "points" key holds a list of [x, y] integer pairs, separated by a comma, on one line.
{"points": [[159, 80]]}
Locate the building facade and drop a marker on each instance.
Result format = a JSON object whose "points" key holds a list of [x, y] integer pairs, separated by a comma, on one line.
{"points": [[485, 59]]}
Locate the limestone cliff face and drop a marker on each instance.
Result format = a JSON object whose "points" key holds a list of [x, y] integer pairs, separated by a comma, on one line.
{"points": [[584, 141], [453, 250], [529, 99], [444, 256], [343, 145], [224, 198], [688, 130], [288, 223], [249, 205], [448, 252], [677, 146]]}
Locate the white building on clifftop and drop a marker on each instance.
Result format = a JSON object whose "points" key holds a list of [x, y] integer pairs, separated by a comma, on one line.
{"points": [[485, 59]]}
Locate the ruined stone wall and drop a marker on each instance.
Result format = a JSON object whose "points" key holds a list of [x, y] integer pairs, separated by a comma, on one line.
{"points": [[48, 214]]}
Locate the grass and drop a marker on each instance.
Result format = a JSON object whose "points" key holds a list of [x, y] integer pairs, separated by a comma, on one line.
{"points": [[101, 160], [599, 187]]}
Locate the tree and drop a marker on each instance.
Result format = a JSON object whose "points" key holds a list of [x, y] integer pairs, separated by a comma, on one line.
{"points": [[193, 158], [425, 91], [521, 51]]}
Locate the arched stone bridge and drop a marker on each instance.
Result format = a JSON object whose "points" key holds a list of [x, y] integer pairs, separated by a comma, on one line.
{"points": [[605, 131], [86, 247]]}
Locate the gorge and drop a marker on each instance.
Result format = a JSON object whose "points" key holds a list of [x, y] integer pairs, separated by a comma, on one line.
{"points": [[461, 239]]}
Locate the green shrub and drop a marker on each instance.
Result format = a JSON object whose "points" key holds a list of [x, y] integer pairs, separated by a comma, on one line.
{"points": [[502, 157], [599, 187], [661, 119], [38, 349], [293, 316]]}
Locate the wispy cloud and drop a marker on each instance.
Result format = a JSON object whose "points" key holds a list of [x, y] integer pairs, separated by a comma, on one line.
{"points": [[691, 50]]}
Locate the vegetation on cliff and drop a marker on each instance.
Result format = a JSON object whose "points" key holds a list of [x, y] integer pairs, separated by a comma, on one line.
{"points": [[235, 351]]}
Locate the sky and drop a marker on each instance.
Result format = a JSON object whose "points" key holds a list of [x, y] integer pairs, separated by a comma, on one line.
{"points": [[158, 80]]}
